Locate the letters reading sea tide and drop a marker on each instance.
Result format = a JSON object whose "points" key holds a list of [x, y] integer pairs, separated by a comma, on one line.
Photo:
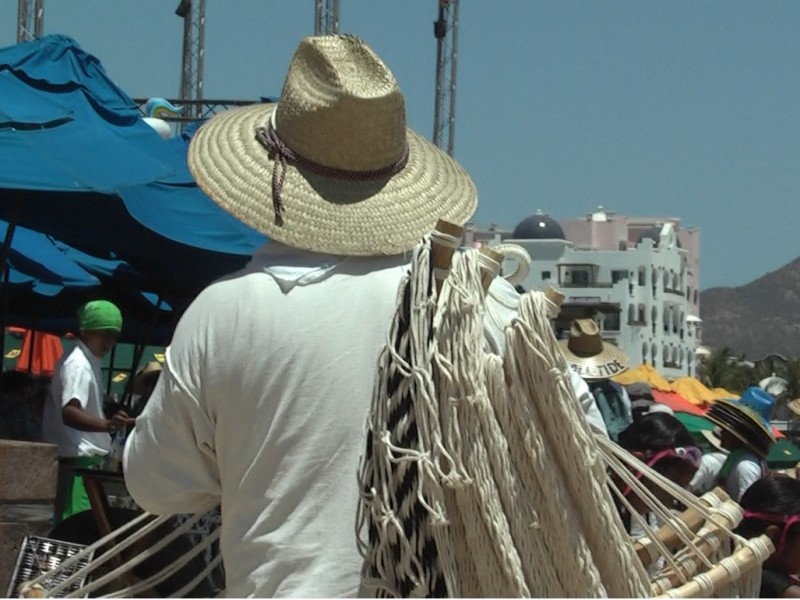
{"points": [[605, 370]]}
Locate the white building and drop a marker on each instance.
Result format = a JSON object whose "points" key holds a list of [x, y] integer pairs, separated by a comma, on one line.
{"points": [[638, 277]]}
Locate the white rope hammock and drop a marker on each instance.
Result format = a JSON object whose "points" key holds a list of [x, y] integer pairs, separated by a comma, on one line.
{"points": [[117, 582], [481, 476]]}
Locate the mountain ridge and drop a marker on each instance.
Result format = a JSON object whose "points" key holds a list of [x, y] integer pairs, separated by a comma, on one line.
{"points": [[756, 319]]}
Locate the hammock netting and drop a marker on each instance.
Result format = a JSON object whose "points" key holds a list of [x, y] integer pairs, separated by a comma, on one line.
{"points": [[481, 476]]}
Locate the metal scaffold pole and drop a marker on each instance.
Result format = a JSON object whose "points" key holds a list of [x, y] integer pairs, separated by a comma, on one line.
{"points": [[193, 13], [30, 20], [445, 29], [326, 21]]}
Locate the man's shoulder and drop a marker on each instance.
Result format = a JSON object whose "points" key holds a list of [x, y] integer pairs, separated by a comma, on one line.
{"points": [[74, 358]]}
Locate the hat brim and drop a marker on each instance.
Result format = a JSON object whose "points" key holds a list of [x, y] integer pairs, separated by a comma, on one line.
{"points": [[322, 214], [794, 406], [607, 364], [713, 439], [743, 424]]}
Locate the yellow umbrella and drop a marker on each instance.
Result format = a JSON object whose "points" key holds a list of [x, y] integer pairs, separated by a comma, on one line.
{"points": [[644, 374], [722, 393], [694, 391]]}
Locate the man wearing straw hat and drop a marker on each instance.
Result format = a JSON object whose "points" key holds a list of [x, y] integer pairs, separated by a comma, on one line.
{"points": [[265, 388], [596, 362]]}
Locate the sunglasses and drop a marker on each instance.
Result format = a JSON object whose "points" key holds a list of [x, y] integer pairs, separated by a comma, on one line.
{"points": [[786, 520], [689, 454]]}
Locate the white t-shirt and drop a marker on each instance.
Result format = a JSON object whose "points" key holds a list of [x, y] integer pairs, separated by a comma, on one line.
{"points": [[705, 478], [261, 405], [77, 376], [747, 469]]}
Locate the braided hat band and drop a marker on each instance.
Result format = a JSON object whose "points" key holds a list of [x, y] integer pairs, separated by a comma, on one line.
{"points": [[332, 167]]}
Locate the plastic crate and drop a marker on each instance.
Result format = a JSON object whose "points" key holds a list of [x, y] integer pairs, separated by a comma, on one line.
{"points": [[40, 554]]}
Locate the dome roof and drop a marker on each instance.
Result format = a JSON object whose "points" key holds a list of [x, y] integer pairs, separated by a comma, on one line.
{"points": [[538, 227]]}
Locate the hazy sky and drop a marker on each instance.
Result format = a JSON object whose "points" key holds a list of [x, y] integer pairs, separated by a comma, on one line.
{"points": [[682, 108]]}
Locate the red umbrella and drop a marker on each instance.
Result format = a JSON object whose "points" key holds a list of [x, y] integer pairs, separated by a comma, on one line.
{"points": [[678, 403], [40, 352]]}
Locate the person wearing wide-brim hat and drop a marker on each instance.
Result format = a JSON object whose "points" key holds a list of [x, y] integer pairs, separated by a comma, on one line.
{"points": [[591, 356], [267, 381], [596, 362], [73, 415], [746, 433]]}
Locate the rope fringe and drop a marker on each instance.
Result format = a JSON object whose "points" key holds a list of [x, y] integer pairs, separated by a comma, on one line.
{"points": [[481, 476]]}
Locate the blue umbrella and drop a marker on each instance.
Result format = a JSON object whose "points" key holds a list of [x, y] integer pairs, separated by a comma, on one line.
{"points": [[38, 261], [78, 162]]}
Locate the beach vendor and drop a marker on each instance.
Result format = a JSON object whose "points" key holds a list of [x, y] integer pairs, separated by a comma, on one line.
{"points": [[596, 362], [265, 388], [746, 433], [73, 414]]}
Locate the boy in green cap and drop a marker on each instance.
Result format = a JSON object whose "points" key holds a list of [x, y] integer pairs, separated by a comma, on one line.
{"points": [[73, 415]]}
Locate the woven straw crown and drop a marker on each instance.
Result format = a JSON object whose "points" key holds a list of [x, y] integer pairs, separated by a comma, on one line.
{"points": [[589, 355], [331, 167]]}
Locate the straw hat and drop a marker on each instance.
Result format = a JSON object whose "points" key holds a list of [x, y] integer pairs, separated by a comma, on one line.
{"points": [[589, 355], [712, 437], [331, 167], [146, 376], [794, 406], [746, 420]]}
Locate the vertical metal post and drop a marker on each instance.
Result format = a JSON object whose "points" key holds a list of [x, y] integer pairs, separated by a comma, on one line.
{"points": [[193, 13], [30, 20], [445, 30], [326, 18]]}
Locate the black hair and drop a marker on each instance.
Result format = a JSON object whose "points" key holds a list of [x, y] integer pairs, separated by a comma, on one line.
{"points": [[655, 431], [774, 494]]}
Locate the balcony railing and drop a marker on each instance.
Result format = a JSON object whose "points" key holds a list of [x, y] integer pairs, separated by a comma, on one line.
{"points": [[587, 285]]}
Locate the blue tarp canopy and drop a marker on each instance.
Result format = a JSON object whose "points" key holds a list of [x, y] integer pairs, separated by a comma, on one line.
{"points": [[78, 164]]}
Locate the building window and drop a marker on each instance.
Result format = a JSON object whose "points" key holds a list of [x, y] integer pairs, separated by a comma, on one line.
{"points": [[642, 276], [642, 317], [617, 275], [545, 275], [694, 297], [580, 277], [631, 314], [611, 322]]}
